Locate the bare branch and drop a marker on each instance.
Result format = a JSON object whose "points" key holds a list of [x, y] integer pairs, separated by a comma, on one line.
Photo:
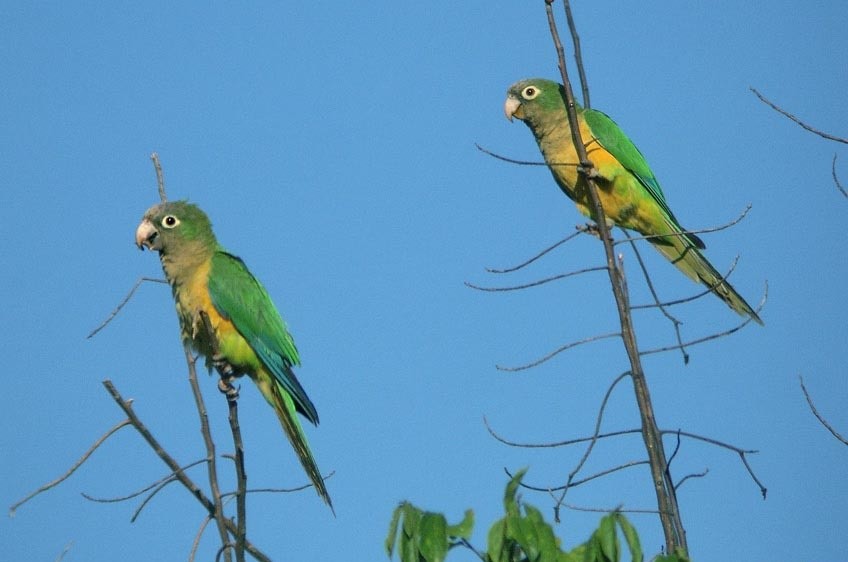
{"points": [[608, 510], [675, 535], [241, 477], [149, 497], [818, 415], [694, 297], [71, 470], [557, 352], [64, 551], [481, 555], [226, 373], [693, 475], [836, 178], [798, 121], [719, 228], [196, 543], [576, 483], [535, 283], [674, 321], [211, 466], [165, 479], [537, 256], [505, 159], [127, 298], [279, 490], [679, 433], [578, 54], [711, 337], [160, 177], [594, 439]]}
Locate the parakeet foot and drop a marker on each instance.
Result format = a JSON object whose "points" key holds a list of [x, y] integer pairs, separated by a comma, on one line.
{"points": [[223, 367], [592, 229], [226, 387]]}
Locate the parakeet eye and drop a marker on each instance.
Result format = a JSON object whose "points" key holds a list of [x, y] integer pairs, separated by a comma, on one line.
{"points": [[170, 221], [530, 92]]}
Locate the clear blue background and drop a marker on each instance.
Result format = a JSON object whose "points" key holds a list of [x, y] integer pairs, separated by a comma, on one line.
{"points": [[333, 146]]}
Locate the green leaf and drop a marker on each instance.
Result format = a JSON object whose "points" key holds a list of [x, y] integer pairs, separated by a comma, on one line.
{"points": [[546, 543], [608, 539], [631, 537], [433, 538], [408, 550], [393, 526], [510, 502], [411, 519], [495, 541], [464, 528], [592, 551]]}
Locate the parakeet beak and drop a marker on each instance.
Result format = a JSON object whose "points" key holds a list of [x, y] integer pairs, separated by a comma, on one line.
{"points": [[512, 108], [145, 235]]}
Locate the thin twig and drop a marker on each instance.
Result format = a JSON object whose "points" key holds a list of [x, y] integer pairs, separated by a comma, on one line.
{"points": [[481, 555], [693, 475], [557, 352], [575, 483], [608, 510], [798, 121], [535, 283], [64, 551], [738, 450], [196, 543], [211, 466], [599, 419], [691, 298], [506, 159], [719, 228], [149, 498], [536, 257], [160, 177], [127, 298], [241, 477], [231, 394], [674, 321], [578, 54], [617, 433], [73, 468], [818, 415], [167, 478], [836, 178], [705, 339], [278, 490]]}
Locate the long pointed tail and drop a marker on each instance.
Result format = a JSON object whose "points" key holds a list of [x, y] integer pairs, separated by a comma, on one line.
{"points": [[683, 253], [285, 408]]}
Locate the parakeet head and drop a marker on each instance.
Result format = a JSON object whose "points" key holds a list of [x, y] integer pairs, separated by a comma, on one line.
{"points": [[534, 100], [174, 226]]}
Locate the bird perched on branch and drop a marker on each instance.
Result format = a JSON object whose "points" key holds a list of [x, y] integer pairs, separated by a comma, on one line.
{"points": [[215, 292], [629, 192]]}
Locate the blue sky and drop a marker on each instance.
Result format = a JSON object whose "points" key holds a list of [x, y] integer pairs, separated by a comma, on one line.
{"points": [[333, 148]]}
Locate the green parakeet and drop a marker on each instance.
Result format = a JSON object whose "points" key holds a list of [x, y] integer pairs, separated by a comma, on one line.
{"points": [[251, 336], [629, 192]]}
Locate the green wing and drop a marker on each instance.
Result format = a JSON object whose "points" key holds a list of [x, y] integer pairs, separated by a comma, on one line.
{"points": [[613, 139], [240, 298]]}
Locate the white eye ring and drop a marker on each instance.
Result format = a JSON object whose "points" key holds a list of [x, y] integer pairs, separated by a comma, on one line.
{"points": [[170, 221], [530, 92]]}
